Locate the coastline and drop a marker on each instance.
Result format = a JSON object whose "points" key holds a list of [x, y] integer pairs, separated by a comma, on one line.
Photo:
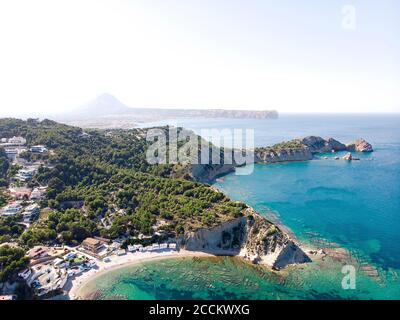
{"points": [[74, 286]]}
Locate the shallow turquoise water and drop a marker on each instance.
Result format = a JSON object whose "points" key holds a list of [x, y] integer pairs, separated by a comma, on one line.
{"points": [[355, 205], [225, 278]]}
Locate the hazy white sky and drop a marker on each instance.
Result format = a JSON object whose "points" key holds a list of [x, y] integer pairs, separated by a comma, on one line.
{"points": [[287, 55]]}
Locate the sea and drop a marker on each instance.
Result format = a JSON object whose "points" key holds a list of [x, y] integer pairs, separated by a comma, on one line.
{"points": [[354, 206]]}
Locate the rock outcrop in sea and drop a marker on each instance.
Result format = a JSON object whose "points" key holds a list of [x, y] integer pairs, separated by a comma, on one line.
{"points": [[251, 237], [359, 145], [348, 156]]}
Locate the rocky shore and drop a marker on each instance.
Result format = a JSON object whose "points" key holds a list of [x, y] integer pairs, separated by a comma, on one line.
{"points": [[251, 237]]}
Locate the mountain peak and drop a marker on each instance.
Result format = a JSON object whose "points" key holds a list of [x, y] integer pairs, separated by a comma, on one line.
{"points": [[104, 104]]}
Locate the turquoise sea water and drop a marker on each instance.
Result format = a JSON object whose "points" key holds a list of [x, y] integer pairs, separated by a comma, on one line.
{"points": [[355, 205]]}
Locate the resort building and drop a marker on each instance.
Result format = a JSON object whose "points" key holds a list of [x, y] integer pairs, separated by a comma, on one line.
{"points": [[92, 245]]}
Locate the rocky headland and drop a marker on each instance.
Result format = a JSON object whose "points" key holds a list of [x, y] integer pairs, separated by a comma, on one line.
{"points": [[251, 237], [303, 149]]}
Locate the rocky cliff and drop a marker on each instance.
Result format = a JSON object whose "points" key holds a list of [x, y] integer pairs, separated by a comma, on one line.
{"points": [[251, 237], [320, 145], [283, 155]]}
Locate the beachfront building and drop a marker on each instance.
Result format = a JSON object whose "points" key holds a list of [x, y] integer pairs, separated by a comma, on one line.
{"points": [[11, 209], [39, 149], [121, 252], [38, 252], [92, 245]]}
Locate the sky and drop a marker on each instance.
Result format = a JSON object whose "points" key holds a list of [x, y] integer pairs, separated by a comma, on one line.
{"points": [[292, 56]]}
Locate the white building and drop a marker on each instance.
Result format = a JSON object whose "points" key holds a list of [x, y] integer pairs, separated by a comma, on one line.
{"points": [[30, 212], [172, 246], [39, 149], [25, 174], [38, 193], [120, 252], [13, 152], [11, 209], [69, 255], [18, 141], [25, 274]]}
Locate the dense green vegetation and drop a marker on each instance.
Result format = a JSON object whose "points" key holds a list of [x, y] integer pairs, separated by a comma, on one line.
{"points": [[4, 166], [12, 261], [10, 229], [99, 183], [286, 145]]}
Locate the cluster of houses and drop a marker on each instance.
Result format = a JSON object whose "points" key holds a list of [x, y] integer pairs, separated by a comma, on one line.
{"points": [[13, 146], [29, 213], [16, 145], [51, 267], [24, 200]]}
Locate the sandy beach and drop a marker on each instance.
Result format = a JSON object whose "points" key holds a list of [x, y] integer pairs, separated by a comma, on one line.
{"points": [[75, 284]]}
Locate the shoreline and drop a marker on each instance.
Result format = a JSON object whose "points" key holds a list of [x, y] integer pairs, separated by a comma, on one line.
{"points": [[74, 286]]}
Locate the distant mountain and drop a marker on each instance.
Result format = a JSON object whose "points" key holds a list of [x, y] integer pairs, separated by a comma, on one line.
{"points": [[105, 104], [106, 111]]}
